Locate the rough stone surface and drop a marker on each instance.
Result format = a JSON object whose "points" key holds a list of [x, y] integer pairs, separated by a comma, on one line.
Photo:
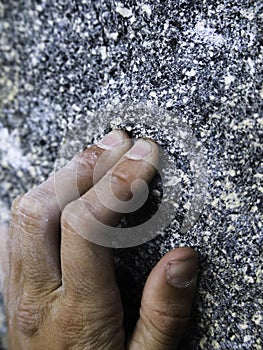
{"points": [[62, 61]]}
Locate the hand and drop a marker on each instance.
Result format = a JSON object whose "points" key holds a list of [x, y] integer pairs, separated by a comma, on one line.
{"points": [[59, 288]]}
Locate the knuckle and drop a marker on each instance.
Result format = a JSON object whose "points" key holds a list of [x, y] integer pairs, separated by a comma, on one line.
{"points": [[15, 204], [166, 321], [171, 321], [28, 317], [71, 214], [85, 161], [66, 216], [91, 210], [121, 181], [32, 211]]}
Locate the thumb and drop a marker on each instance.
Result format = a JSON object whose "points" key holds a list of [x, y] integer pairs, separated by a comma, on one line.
{"points": [[166, 302]]}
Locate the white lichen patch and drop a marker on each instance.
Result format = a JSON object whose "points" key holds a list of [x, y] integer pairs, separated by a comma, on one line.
{"points": [[10, 151], [123, 11], [228, 80], [202, 32], [247, 338], [169, 103], [243, 325], [113, 35], [190, 73], [231, 200], [232, 172], [249, 279], [147, 9], [103, 52], [153, 94], [215, 344], [251, 66], [257, 319], [247, 13]]}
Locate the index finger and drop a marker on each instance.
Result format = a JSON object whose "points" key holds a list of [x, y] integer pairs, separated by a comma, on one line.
{"points": [[88, 267], [39, 211]]}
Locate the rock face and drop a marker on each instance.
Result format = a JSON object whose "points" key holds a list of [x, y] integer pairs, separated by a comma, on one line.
{"points": [[197, 63]]}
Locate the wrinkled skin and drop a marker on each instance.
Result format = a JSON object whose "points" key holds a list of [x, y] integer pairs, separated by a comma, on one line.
{"points": [[59, 288]]}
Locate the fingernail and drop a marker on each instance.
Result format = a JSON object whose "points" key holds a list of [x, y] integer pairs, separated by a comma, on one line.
{"points": [[113, 139], [140, 150], [182, 273]]}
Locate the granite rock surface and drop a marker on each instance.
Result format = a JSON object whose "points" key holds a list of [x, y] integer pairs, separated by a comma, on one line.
{"points": [[198, 61]]}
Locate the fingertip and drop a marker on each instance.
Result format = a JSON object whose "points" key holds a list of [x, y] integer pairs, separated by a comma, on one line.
{"points": [[174, 276], [182, 253], [181, 267], [181, 272], [140, 150], [113, 139]]}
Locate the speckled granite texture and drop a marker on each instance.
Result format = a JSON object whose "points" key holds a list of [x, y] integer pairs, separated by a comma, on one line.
{"points": [[201, 60]]}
